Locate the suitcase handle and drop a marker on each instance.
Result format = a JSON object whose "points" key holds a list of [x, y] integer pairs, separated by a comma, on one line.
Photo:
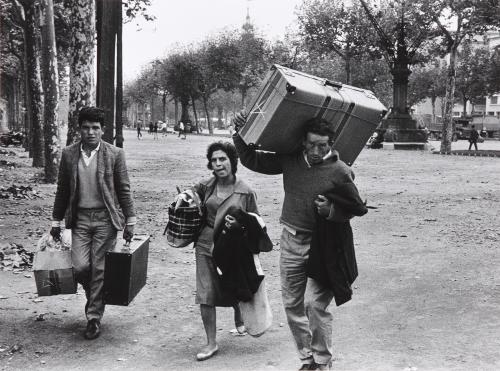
{"points": [[333, 84]]}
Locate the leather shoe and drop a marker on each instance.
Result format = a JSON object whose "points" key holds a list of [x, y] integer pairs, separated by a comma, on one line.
{"points": [[93, 329], [307, 366], [201, 356], [320, 366]]}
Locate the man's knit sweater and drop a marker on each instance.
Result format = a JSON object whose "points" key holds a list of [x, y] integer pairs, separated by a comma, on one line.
{"points": [[302, 183], [88, 186]]}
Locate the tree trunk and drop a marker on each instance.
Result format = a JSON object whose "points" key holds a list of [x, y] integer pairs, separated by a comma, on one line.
{"points": [[185, 111], [51, 93], [209, 123], [164, 106], [136, 106], [465, 105], [195, 116], [433, 104], [447, 132], [220, 111], [34, 83], [151, 111], [176, 109], [81, 63], [347, 61], [63, 70], [106, 37], [243, 97], [27, 100], [119, 77]]}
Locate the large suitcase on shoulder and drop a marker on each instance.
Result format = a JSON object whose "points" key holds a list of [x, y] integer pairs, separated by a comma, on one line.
{"points": [[288, 98], [125, 270]]}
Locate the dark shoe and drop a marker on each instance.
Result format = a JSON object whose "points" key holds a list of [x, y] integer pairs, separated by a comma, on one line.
{"points": [[320, 366], [308, 366], [93, 329]]}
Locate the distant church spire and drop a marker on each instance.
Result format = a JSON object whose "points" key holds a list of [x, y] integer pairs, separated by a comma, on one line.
{"points": [[248, 26]]}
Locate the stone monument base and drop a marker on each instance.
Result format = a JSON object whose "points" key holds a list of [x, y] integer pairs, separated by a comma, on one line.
{"points": [[407, 146], [402, 129]]}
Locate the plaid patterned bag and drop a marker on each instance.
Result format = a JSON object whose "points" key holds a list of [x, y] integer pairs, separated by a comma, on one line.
{"points": [[184, 224]]}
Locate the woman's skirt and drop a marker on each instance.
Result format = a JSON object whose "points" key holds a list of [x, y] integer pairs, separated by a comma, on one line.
{"points": [[208, 283]]}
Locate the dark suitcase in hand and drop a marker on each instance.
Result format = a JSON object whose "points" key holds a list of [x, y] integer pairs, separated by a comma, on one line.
{"points": [[288, 98], [125, 270]]}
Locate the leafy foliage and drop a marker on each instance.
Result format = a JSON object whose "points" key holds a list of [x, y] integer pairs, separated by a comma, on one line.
{"points": [[456, 20], [473, 67], [11, 38], [428, 81], [336, 27], [252, 62], [136, 8]]}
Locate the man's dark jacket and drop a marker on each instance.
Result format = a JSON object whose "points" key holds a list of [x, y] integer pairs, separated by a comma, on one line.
{"points": [[233, 254], [112, 177], [332, 260]]}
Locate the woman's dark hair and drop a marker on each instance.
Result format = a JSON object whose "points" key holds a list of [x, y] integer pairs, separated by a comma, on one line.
{"points": [[228, 148], [321, 127], [93, 114]]}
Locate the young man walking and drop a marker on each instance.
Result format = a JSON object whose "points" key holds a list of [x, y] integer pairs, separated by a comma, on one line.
{"points": [[93, 195], [307, 176]]}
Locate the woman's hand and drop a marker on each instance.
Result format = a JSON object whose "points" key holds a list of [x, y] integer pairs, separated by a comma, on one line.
{"points": [[231, 222]]}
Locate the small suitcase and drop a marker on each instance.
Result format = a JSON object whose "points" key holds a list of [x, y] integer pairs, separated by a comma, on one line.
{"points": [[125, 270], [288, 98]]}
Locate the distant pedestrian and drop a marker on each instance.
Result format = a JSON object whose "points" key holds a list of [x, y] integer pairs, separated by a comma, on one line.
{"points": [[163, 129], [182, 130], [155, 131], [139, 134], [151, 127], [474, 136]]}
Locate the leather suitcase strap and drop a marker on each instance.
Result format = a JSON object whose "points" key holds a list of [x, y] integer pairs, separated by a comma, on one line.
{"points": [[344, 119], [324, 106], [346, 116]]}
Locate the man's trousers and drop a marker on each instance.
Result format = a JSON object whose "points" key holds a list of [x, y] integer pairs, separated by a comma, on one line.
{"points": [[305, 300], [92, 235]]}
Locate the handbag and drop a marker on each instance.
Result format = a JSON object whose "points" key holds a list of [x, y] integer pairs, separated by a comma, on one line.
{"points": [[184, 222]]}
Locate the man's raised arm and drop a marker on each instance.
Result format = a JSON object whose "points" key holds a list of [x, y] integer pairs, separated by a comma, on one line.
{"points": [[261, 162]]}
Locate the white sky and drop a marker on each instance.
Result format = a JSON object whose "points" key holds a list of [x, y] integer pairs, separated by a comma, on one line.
{"points": [[187, 21]]}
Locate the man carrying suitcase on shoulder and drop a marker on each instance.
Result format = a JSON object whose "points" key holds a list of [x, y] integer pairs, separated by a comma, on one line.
{"points": [[93, 195], [307, 174]]}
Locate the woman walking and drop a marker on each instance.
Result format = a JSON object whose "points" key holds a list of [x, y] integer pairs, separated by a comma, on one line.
{"points": [[218, 194]]}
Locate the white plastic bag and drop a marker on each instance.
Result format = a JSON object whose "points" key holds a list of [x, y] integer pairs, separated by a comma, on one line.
{"points": [[256, 313], [47, 242]]}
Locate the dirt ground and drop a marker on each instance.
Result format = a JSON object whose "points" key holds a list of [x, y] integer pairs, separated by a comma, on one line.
{"points": [[427, 296]]}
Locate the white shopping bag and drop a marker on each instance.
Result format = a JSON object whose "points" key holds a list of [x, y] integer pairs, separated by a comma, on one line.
{"points": [[256, 313]]}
